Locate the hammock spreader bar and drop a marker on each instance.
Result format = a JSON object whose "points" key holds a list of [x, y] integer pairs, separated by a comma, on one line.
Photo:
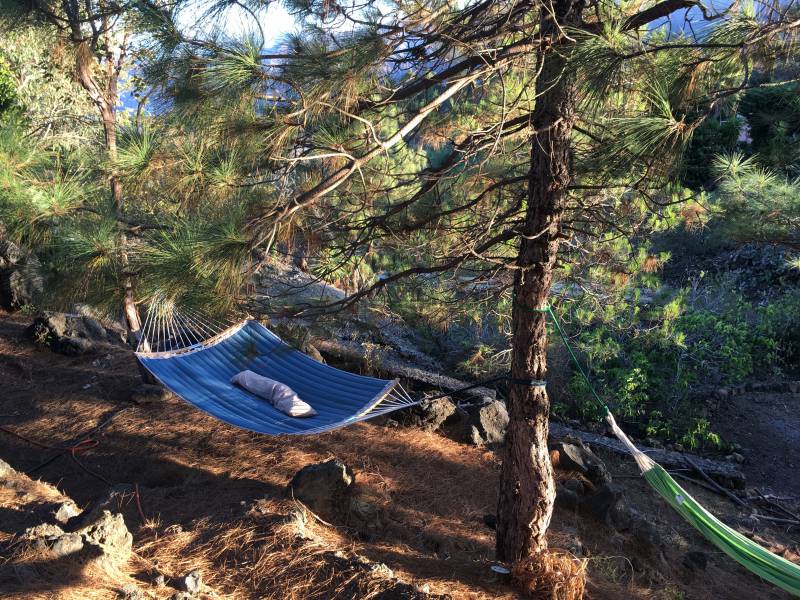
{"points": [[753, 557]]}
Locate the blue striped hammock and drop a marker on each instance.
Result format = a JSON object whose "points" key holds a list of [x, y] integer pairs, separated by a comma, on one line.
{"points": [[200, 374]]}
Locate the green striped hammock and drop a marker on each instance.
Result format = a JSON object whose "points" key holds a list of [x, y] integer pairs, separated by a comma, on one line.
{"points": [[743, 550], [746, 552]]}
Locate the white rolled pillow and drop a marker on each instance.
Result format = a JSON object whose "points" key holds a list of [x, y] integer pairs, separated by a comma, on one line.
{"points": [[280, 395]]}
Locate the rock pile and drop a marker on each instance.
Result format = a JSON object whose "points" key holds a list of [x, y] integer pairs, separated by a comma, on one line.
{"points": [[586, 486], [478, 423], [102, 542], [72, 334]]}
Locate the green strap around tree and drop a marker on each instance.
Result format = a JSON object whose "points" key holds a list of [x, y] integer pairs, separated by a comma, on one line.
{"points": [[746, 552], [548, 310]]}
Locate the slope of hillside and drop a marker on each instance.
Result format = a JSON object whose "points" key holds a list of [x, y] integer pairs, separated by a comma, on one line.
{"points": [[212, 498]]}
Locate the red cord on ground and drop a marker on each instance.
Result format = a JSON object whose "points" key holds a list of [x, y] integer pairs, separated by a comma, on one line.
{"points": [[83, 445]]}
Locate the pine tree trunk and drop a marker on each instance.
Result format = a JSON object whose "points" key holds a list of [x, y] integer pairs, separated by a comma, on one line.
{"points": [[105, 98], [109, 116], [527, 489]]}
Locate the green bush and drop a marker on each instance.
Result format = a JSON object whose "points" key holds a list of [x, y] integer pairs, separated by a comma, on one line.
{"points": [[698, 436], [644, 366], [8, 88], [726, 347], [713, 137]]}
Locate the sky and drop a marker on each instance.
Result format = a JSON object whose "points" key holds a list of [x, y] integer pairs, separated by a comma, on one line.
{"points": [[275, 22]]}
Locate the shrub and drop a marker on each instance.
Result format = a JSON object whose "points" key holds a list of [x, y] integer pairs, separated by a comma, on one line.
{"points": [[8, 88], [644, 365], [699, 436]]}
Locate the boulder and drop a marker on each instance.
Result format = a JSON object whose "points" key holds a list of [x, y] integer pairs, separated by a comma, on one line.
{"points": [[485, 423], [70, 334], [608, 506], [326, 488], [429, 415], [74, 346], [65, 511], [110, 535], [148, 393], [570, 457], [575, 456]]}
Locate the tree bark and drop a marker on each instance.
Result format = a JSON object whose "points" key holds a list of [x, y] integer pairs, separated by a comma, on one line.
{"points": [[105, 98], [109, 116], [527, 489]]}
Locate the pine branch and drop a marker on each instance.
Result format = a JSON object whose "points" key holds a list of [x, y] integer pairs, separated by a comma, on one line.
{"points": [[333, 181], [661, 10]]}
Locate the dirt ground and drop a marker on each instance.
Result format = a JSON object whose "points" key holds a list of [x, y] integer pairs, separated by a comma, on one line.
{"points": [[197, 476], [767, 425]]}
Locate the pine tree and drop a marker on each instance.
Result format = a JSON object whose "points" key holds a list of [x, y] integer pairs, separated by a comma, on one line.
{"points": [[176, 233], [98, 34]]}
